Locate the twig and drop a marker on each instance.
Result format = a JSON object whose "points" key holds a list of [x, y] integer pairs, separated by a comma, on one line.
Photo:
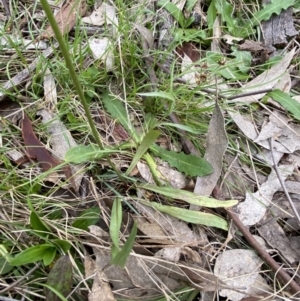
{"points": [[281, 274], [7, 299], [249, 94], [20, 279], [282, 182]]}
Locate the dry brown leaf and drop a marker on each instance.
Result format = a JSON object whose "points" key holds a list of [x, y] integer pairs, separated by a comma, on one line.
{"points": [[35, 148], [254, 207], [101, 290], [190, 50], [66, 17], [50, 92], [216, 146], [61, 141], [253, 46], [275, 237]]}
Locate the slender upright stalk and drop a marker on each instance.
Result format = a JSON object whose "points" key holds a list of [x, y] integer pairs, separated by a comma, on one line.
{"points": [[75, 79]]}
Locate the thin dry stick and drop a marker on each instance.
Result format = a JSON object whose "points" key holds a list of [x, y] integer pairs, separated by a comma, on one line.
{"points": [[282, 182], [281, 274], [7, 299]]}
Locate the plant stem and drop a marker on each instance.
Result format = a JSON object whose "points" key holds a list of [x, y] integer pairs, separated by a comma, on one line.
{"points": [[76, 82]]}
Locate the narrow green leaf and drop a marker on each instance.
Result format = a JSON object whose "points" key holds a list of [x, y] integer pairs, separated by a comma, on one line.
{"points": [[121, 257], [173, 10], [64, 245], [49, 256], [59, 280], [4, 253], [87, 218], [159, 94], [211, 14], [243, 60], [38, 225], [86, 153], [188, 197], [287, 102], [190, 216], [114, 251], [191, 165], [57, 296], [115, 222], [190, 5], [225, 9], [30, 255], [117, 110], [185, 128], [148, 140], [5, 267]]}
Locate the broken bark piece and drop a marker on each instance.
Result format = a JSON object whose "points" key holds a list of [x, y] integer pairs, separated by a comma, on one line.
{"points": [[35, 148], [278, 28]]}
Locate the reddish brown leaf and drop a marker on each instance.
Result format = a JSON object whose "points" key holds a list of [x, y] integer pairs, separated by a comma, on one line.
{"points": [[190, 50], [35, 148]]}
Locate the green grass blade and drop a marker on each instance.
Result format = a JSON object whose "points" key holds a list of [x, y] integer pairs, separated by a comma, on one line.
{"points": [[49, 256], [173, 10], [30, 255], [159, 94], [287, 102], [117, 110], [191, 165], [115, 222], [121, 257], [86, 153], [148, 140], [188, 197], [190, 216], [38, 225]]}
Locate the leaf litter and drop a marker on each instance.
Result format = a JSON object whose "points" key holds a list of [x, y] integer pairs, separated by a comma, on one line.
{"points": [[163, 240]]}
